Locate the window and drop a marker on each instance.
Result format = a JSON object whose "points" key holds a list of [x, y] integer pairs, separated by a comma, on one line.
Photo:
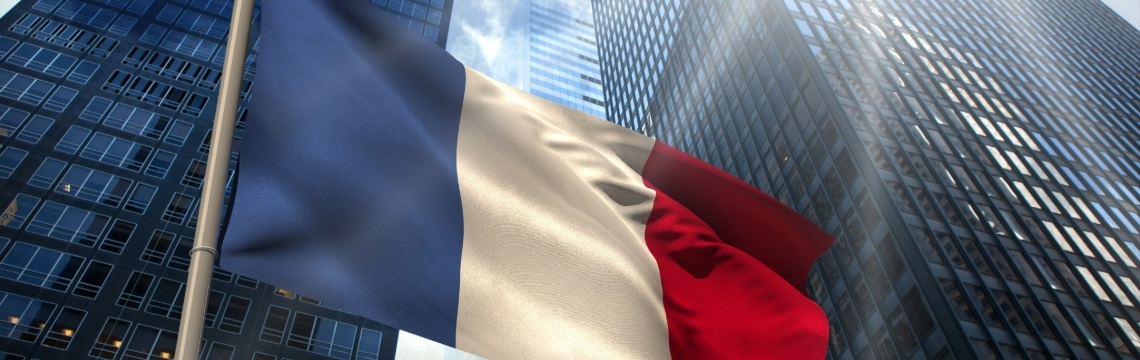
{"points": [[194, 174], [947, 243], [94, 186], [195, 104], [1093, 284], [39, 266], [884, 348], [140, 198], [60, 334], [73, 139], [92, 280], [117, 237], [904, 336], [958, 298], [985, 305], [876, 278], [234, 315], [1009, 309], [1099, 246], [18, 210], [369, 344], [1076, 238], [213, 305], [1115, 245], [220, 351], [11, 119], [47, 173], [150, 343], [86, 14], [180, 257], [203, 24], [167, 299], [135, 290], [6, 45], [179, 206], [321, 336], [274, 329], [1057, 236], [1110, 331], [137, 121], [161, 164], [83, 72], [152, 34], [247, 282], [61, 99], [1115, 288], [169, 13], [1129, 330], [1001, 262], [156, 249], [103, 47], [25, 317], [35, 129], [179, 131], [41, 60], [23, 88], [116, 151], [861, 296], [188, 45], [95, 109], [26, 23], [110, 339], [10, 159], [68, 223]]}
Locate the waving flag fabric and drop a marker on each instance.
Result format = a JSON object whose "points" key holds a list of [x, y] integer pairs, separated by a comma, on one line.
{"points": [[381, 176]]}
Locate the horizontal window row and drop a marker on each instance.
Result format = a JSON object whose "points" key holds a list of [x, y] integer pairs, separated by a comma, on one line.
{"points": [[157, 93], [65, 36]]}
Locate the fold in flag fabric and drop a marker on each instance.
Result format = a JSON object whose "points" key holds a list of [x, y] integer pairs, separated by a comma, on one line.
{"points": [[380, 175]]}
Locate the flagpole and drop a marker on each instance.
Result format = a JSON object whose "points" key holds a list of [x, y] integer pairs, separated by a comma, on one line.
{"points": [[204, 252]]}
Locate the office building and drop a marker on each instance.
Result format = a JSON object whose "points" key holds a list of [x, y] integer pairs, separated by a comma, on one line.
{"points": [[976, 161], [549, 50], [105, 115]]}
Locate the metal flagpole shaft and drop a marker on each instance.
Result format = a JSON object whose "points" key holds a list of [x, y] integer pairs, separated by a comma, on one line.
{"points": [[205, 236]]}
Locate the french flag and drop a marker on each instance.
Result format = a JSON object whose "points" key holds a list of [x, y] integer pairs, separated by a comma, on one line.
{"points": [[381, 176]]}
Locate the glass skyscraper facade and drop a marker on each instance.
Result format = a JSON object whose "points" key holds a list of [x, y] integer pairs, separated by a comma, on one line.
{"points": [[106, 108], [977, 162], [550, 51]]}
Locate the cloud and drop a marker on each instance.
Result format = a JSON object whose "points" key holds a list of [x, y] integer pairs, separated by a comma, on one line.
{"points": [[481, 26], [486, 41]]}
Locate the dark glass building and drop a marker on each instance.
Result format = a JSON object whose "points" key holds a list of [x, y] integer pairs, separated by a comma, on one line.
{"points": [[106, 108], [977, 161]]}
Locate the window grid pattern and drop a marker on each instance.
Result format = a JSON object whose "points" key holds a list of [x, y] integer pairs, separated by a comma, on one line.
{"points": [[101, 101], [553, 54], [979, 159]]}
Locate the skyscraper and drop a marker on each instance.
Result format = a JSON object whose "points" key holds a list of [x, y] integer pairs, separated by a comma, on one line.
{"points": [[976, 161], [105, 115], [549, 50]]}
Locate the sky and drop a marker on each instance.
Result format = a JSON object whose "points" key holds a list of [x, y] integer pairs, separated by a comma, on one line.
{"points": [[1129, 9], [413, 347], [477, 30], [478, 26]]}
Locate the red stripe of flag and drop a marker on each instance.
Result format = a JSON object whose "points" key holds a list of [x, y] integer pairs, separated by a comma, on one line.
{"points": [[734, 264]]}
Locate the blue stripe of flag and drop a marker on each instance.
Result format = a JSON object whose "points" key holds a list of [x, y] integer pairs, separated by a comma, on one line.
{"points": [[361, 117]]}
